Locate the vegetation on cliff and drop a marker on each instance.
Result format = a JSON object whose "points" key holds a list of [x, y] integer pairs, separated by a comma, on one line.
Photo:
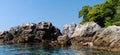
{"points": [[105, 14]]}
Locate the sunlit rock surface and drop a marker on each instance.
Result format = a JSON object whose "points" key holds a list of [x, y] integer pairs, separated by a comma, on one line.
{"points": [[63, 40], [85, 30], [2, 32], [109, 38], [83, 34], [67, 32], [69, 29]]}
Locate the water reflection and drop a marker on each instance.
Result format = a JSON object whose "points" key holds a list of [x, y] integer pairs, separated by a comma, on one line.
{"points": [[38, 49]]}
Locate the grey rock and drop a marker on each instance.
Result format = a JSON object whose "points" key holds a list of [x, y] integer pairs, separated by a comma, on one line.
{"points": [[63, 40], [85, 30], [46, 31], [31, 32], [109, 37], [68, 30], [2, 32], [44, 25]]}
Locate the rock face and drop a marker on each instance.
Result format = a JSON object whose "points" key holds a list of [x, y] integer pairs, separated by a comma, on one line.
{"points": [[86, 29], [93, 36], [31, 32], [64, 40], [67, 32], [109, 37], [46, 31], [84, 33], [2, 32]]}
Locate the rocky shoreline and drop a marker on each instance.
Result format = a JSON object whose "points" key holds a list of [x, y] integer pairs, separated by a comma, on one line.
{"points": [[89, 35]]}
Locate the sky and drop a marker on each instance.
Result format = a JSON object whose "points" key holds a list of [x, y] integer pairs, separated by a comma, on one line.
{"points": [[59, 12]]}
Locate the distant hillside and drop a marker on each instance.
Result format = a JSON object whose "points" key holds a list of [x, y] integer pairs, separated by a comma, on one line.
{"points": [[105, 14]]}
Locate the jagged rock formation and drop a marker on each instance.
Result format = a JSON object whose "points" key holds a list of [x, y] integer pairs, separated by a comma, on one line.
{"points": [[83, 34], [63, 40], [89, 34], [67, 32], [85, 30], [109, 38], [93, 36], [30, 32]]}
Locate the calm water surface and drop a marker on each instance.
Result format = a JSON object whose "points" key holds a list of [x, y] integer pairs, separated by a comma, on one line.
{"points": [[37, 49]]}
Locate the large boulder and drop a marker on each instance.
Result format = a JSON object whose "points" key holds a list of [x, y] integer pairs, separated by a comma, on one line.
{"points": [[68, 30], [109, 37], [1, 32], [63, 40], [5, 36], [85, 30], [46, 31], [83, 34]]}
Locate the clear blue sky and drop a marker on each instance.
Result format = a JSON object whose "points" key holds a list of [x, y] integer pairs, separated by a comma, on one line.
{"points": [[59, 12]]}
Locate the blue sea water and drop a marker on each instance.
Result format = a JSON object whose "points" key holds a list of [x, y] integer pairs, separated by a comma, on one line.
{"points": [[38, 49]]}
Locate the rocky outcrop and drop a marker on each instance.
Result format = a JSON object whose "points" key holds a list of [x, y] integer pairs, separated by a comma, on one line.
{"points": [[93, 36], [67, 32], [63, 40], [46, 31], [2, 32], [89, 34], [108, 38], [84, 33], [85, 30], [31, 32]]}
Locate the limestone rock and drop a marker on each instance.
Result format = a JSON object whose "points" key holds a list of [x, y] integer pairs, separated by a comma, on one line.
{"points": [[68, 30], [46, 31], [63, 40], [44, 25], [31, 32], [28, 24], [2, 32], [84, 34], [109, 37], [86, 29]]}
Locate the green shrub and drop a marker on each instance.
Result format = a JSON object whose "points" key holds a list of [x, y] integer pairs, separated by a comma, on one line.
{"points": [[104, 14]]}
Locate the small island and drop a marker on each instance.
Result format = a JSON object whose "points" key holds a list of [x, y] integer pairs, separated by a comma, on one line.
{"points": [[99, 29]]}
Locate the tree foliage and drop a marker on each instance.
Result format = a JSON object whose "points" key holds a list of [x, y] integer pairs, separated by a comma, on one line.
{"points": [[105, 14]]}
